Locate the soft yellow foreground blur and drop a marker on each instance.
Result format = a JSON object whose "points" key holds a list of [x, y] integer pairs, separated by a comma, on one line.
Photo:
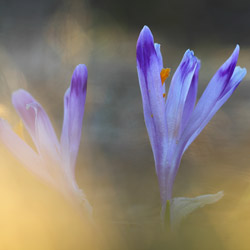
{"points": [[34, 216]]}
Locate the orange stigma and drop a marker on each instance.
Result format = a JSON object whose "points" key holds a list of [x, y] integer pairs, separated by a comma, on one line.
{"points": [[164, 74]]}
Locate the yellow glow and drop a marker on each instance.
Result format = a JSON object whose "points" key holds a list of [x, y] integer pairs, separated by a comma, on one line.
{"points": [[19, 129]]}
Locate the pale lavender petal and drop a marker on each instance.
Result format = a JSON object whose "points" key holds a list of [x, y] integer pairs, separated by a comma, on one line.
{"points": [[37, 123], [74, 101], [195, 128], [180, 89], [191, 98], [158, 53], [22, 151], [215, 95], [217, 84], [183, 206], [152, 95], [160, 62], [20, 99], [181, 98]]}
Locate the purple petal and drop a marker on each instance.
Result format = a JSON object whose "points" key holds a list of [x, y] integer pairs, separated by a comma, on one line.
{"points": [[181, 95], [195, 128], [148, 69], [37, 123], [74, 101], [158, 53], [20, 99], [191, 98], [217, 84], [22, 151], [215, 95], [160, 62]]}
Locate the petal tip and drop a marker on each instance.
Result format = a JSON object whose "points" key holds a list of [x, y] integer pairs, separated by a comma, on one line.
{"points": [[189, 62], [18, 91], [146, 29], [236, 51], [20, 96], [79, 79], [145, 37], [145, 48], [190, 54], [80, 69]]}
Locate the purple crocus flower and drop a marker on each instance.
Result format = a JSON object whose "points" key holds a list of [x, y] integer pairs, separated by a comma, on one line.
{"points": [[52, 161], [174, 122]]}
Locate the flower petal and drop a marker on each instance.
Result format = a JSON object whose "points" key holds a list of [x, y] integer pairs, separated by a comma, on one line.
{"points": [[22, 151], [149, 70], [191, 98], [20, 99], [180, 89], [37, 123], [215, 95], [74, 101], [182, 206], [158, 53]]}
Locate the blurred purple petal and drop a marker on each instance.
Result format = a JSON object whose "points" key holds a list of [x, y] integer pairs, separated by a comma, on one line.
{"points": [[74, 101], [20, 100], [37, 123], [53, 162], [22, 151]]}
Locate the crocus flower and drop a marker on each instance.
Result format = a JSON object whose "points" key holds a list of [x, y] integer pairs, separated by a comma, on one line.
{"points": [[174, 122], [52, 160]]}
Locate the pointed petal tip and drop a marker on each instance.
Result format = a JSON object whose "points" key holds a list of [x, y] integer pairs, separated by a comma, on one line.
{"points": [[145, 38], [80, 69], [236, 51], [227, 69], [79, 79], [145, 47], [190, 55], [189, 52], [234, 56], [145, 29], [189, 62]]}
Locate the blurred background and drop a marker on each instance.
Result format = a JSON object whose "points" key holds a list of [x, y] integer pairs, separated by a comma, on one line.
{"points": [[41, 42]]}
